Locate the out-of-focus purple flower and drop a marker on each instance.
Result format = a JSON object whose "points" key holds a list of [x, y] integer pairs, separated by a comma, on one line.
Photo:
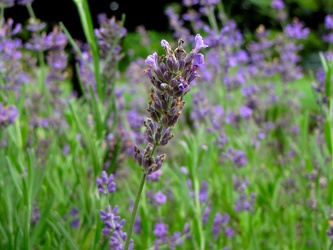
{"points": [[277, 4], [189, 3], [137, 225], [244, 203], [329, 22], [229, 232], [106, 183], [155, 176], [161, 230], [237, 156], [75, 220], [220, 222], [24, 2], [177, 24], [245, 112], [8, 114], [35, 215], [296, 30], [160, 198], [203, 192], [240, 184], [206, 214], [44, 123], [328, 37], [35, 26]]}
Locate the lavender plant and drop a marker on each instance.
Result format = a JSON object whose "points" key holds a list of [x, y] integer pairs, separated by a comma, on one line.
{"points": [[171, 76]]}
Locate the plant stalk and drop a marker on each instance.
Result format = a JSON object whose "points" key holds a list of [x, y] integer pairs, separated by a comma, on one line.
{"points": [[135, 208]]}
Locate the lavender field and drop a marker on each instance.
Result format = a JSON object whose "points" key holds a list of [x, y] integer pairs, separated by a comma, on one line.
{"points": [[203, 137]]}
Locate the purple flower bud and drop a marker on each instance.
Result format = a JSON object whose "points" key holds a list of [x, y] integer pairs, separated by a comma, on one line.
{"points": [[164, 44]]}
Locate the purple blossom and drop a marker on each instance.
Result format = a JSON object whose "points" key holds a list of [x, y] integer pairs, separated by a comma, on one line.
{"points": [[152, 60], [240, 184], [161, 230], [277, 4], [206, 214], [239, 157], [189, 3], [199, 43], [137, 225], [155, 176], [8, 114], [328, 37], [75, 221], [245, 112], [296, 30], [203, 192], [244, 203], [113, 225], [165, 44], [329, 22], [106, 183], [35, 215], [160, 198], [219, 224]]}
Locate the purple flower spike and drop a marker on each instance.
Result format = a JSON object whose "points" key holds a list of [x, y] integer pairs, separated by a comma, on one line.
{"points": [[152, 60], [199, 43], [105, 184]]}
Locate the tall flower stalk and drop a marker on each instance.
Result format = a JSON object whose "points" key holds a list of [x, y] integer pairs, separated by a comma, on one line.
{"points": [[171, 76]]}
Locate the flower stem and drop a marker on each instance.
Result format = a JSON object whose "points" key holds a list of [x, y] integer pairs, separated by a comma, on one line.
{"points": [[135, 208]]}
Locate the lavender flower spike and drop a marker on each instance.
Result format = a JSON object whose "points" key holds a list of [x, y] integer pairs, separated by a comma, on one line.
{"points": [[106, 183], [199, 43]]}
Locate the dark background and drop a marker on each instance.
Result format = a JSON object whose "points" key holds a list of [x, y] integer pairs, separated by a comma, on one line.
{"points": [[147, 13]]}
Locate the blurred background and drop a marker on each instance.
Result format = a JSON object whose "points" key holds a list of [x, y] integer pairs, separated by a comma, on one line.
{"points": [[248, 14]]}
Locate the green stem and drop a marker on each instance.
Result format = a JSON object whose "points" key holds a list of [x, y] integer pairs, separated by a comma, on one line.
{"points": [[31, 12], [135, 208], [88, 29], [2, 13], [40, 54]]}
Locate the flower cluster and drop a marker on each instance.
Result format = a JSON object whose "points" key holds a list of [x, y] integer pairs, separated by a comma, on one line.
{"points": [[8, 115], [329, 27], [105, 183], [113, 225], [171, 76]]}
